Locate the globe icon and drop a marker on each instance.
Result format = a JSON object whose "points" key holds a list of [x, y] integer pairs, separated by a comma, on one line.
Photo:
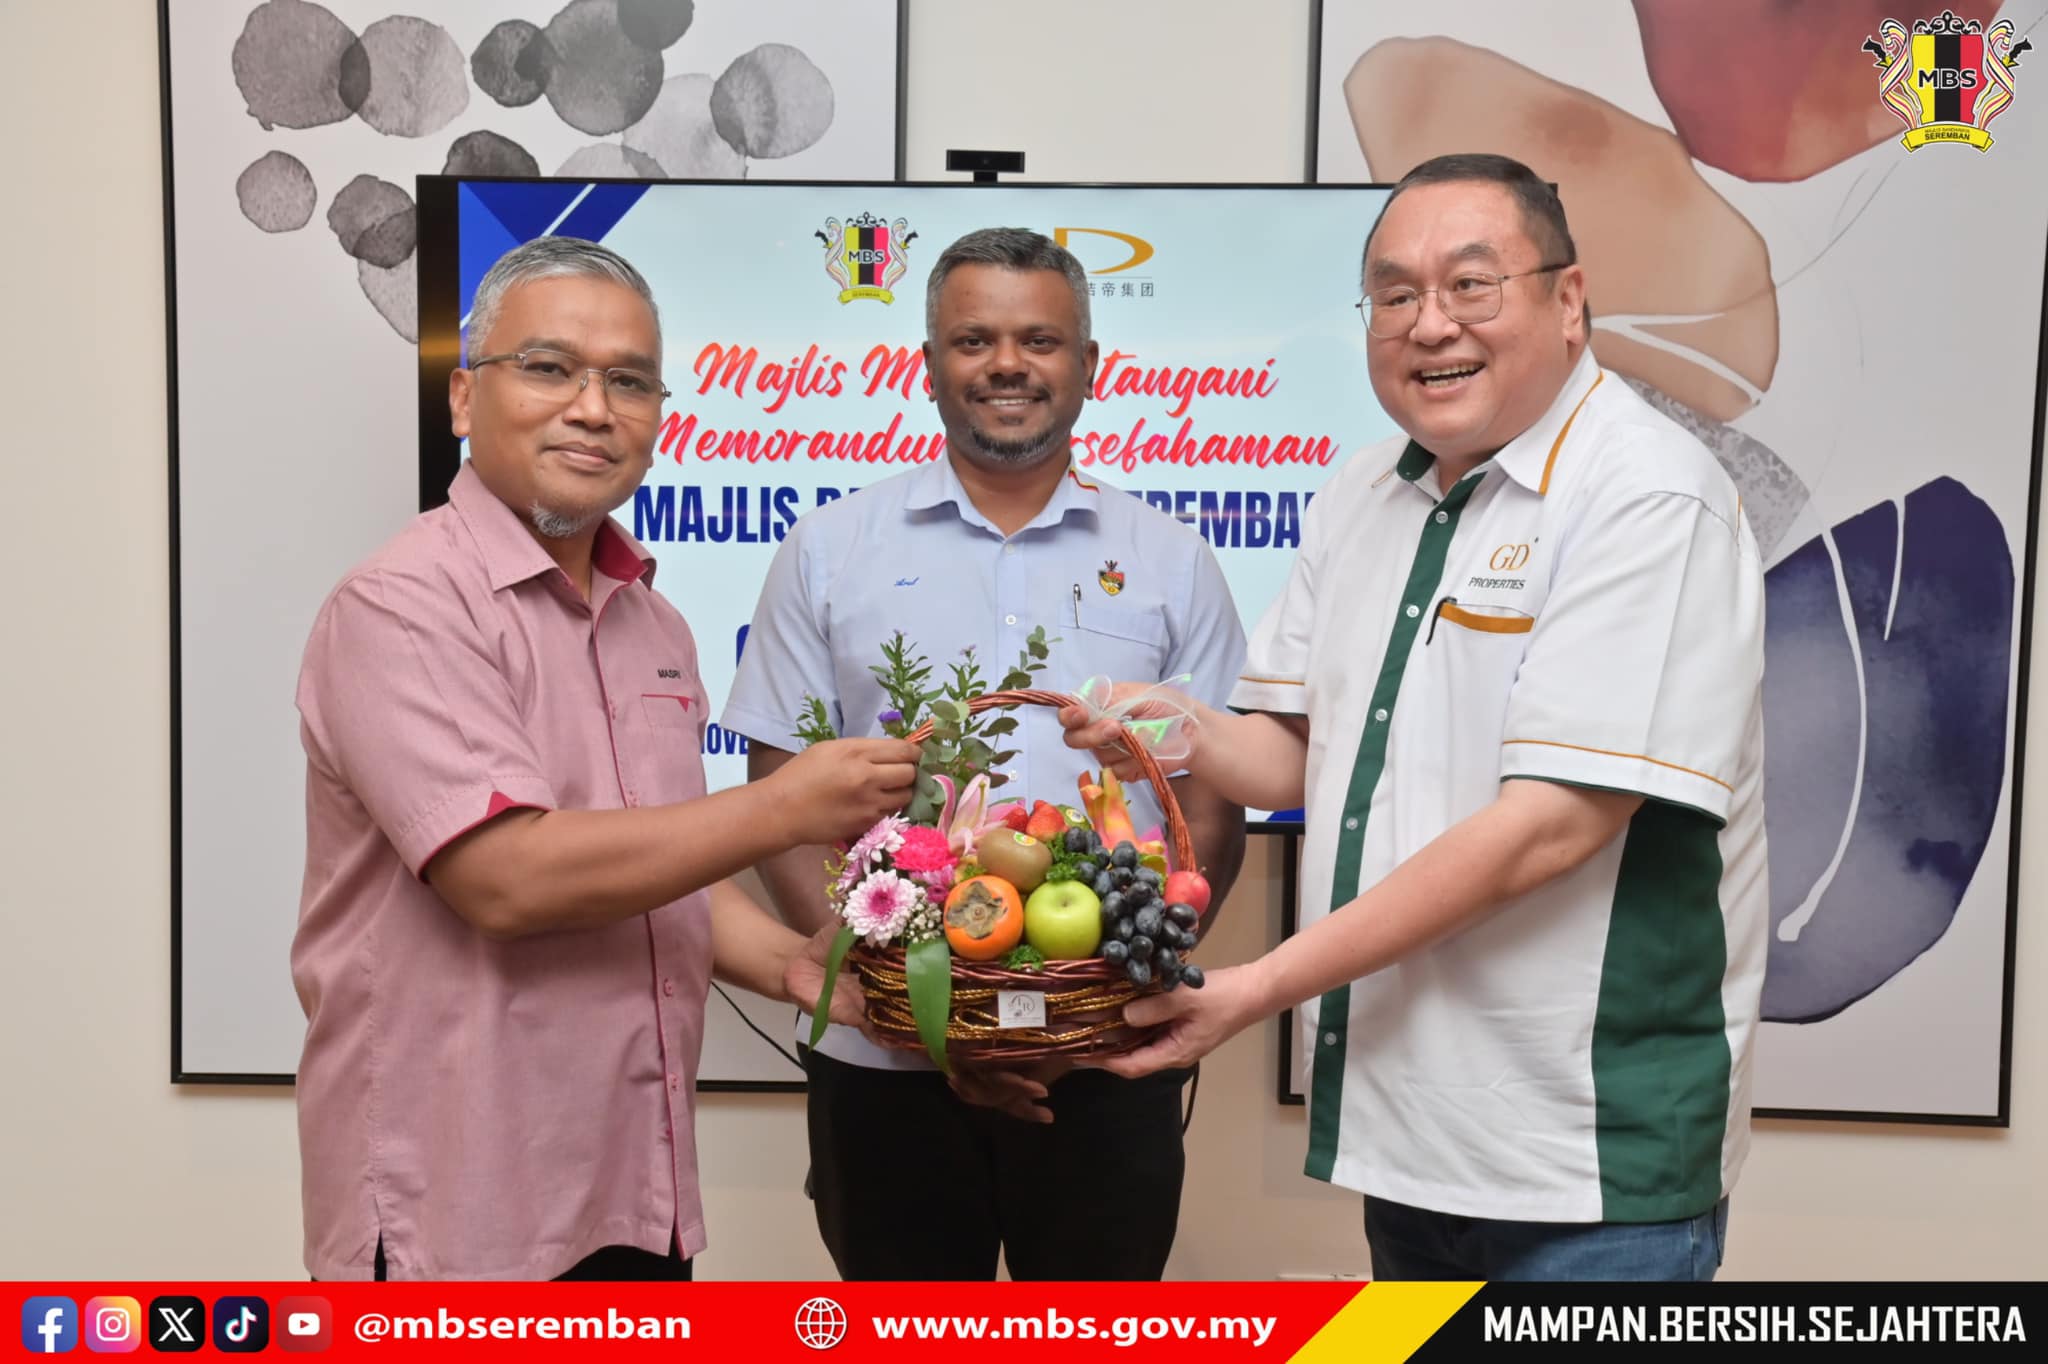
{"points": [[821, 1323]]}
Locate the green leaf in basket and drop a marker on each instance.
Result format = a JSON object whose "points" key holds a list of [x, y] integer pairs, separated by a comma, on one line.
{"points": [[833, 960], [928, 968]]}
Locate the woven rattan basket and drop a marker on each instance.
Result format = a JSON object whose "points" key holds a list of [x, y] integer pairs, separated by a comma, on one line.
{"points": [[1084, 1000]]}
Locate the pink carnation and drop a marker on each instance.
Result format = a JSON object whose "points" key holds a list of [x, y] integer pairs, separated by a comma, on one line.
{"points": [[924, 849]]}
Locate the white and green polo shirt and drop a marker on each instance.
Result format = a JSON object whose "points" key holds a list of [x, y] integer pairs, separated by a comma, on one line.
{"points": [[1586, 607]]}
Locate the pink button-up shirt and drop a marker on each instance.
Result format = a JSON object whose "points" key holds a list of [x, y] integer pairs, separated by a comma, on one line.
{"points": [[491, 1109]]}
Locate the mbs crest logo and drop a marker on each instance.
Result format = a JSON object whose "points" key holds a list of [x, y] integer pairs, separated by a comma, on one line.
{"points": [[865, 256], [1947, 79]]}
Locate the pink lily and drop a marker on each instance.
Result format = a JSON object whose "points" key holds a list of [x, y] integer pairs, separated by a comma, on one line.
{"points": [[967, 815]]}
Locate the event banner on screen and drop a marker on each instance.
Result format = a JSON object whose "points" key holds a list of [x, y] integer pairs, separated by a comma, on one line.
{"points": [[1231, 383]]}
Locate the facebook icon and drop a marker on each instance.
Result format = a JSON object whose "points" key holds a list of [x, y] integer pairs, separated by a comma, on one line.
{"points": [[49, 1326]]}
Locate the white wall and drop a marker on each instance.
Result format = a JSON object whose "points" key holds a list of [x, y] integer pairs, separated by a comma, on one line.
{"points": [[112, 1172]]}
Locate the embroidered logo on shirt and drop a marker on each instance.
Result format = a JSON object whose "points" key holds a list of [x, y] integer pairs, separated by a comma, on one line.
{"points": [[1111, 580], [669, 674], [908, 582]]}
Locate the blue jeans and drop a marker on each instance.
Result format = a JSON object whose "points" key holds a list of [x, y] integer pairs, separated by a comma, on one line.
{"points": [[1414, 1243]]}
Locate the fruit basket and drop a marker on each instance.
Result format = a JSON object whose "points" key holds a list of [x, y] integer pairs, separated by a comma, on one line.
{"points": [[1010, 931]]}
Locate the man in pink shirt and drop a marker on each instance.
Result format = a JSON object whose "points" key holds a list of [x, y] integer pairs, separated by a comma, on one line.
{"points": [[516, 887]]}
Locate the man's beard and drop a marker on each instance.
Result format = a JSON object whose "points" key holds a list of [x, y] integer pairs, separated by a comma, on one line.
{"points": [[1026, 451], [1016, 452], [557, 525]]}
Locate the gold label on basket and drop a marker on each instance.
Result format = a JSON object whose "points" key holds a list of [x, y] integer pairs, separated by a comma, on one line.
{"points": [[1021, 1008]]}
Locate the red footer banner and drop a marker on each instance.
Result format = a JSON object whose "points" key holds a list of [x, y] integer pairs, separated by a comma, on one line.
{"points": [[753, 1323]]}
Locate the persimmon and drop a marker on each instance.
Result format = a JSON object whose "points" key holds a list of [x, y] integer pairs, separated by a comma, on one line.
{"points": [[984, 918]]}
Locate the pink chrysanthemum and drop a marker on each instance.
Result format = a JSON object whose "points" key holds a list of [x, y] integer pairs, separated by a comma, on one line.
{"points": [[880, 906], [924, 849], [885, 837]]}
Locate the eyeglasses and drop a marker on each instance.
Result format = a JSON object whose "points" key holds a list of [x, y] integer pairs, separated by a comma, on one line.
{"points": [[558, 376], [1474, 296]]}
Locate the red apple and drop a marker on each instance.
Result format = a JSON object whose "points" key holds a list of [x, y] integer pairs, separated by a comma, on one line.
{"points": [[1188, 888]]}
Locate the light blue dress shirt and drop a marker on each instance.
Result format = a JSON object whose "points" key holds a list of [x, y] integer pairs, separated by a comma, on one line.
{"points": [[912, 553]]}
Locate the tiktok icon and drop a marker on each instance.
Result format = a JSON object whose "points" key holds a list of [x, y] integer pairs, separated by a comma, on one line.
{"points": [[241, 1326]]}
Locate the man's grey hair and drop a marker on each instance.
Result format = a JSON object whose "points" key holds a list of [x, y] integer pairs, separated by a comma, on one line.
{"points": [[1012, 248], [551, 258]]}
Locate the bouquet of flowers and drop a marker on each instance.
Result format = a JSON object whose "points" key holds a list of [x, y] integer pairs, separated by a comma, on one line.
{"points": [[1004, 928]]}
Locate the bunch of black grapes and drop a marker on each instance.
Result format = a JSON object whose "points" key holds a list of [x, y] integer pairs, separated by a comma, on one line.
{"points": [[1141, 933]]}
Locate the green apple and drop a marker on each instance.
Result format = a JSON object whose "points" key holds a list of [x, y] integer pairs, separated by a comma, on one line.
{"points": [[1063, 919]]}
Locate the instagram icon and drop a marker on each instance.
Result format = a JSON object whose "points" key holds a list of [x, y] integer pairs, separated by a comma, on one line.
{"points": [[113, 1325]]}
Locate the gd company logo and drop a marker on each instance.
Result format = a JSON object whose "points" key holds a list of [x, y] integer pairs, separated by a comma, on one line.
{"points": [[821, 1323], [1508, 558], [1948, 79], [1140, 249], [865, 256]]}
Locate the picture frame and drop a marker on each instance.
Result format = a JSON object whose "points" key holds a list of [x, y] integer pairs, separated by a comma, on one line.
{"points": [[292, 134]]}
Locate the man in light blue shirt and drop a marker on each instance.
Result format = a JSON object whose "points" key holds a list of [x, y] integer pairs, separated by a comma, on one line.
{"points": [[975, 551]]}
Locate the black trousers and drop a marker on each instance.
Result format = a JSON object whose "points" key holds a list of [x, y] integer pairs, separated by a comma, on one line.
{"points": [[911, 1182], [606, 1264]]}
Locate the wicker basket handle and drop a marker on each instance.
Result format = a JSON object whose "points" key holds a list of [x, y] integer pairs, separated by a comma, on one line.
{"points": [[1176, 824]]}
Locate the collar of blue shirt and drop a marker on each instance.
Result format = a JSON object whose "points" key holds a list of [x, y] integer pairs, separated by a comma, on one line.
{"points": [[937, 485]]}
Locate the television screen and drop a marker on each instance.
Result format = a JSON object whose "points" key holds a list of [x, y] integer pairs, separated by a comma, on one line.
{"points": [[1232, 378]]}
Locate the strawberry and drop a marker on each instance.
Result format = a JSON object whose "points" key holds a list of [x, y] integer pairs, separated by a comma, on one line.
{"points": [[1016, 817], [1046, 822]]}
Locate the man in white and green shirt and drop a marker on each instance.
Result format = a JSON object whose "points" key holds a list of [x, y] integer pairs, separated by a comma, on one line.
{"points": [[1516, 677]]}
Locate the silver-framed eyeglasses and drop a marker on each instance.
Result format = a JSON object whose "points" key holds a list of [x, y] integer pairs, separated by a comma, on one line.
{"points": [[1473, 296], [561, 376]]}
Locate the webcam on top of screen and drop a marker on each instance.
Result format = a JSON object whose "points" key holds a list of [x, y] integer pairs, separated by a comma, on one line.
{"points": [[985, 165]]}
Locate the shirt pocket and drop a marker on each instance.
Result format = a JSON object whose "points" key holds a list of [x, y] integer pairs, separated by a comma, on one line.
{"points": [[1477, 651], [1125, 642], [669, 762], [670, 711]]}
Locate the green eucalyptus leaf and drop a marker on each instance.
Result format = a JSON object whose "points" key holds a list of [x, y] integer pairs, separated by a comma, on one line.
{"points": [[928, 969], [927, 801]]}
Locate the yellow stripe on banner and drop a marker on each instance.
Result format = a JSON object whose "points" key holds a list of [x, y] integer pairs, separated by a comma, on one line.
{"points": [[1386, 1322]]}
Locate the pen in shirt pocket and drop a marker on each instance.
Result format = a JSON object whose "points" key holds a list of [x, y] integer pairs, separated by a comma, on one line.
{"points": [[1077, 604], [1436, 613]]}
